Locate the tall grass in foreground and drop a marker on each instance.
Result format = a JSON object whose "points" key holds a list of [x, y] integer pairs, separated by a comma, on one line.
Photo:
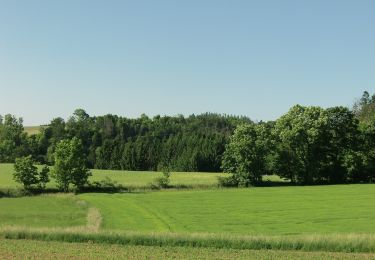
{"points": [[330, 243]]}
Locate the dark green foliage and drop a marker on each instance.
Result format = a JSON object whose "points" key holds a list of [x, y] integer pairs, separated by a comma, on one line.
{"points": [[70, 165], [26, 173], [195, 143], [307, 145], [365, 159], [314, 144]]}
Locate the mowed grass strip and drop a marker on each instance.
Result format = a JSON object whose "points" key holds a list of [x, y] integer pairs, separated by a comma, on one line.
{"points": [[43, 211], [253, 211], [26, 249]]}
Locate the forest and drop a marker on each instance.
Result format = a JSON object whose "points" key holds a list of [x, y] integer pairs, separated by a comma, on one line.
{"points": [[306, 145], [194, 143]]}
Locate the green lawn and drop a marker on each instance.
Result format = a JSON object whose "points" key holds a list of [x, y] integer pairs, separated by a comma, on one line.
{"points": [[24, 249], [254, 211], [43, 211]]}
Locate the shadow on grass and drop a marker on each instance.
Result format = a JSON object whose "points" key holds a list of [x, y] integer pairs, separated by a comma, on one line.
{"points": [[276, 184]]}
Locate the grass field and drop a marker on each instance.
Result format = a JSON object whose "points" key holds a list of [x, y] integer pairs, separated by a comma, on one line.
{"points": [[206, 222], [23, 249], [266, 211], [271, 211]]}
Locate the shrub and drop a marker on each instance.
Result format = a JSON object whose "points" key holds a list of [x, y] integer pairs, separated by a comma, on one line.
{"points": [[106, 185]]}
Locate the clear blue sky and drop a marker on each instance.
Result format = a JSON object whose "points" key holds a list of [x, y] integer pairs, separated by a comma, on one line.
{"points": [[253, 58]]}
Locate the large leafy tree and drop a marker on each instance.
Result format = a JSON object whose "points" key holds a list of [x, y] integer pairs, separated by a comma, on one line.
{"points": [[299, 141], [70, 165], [340, 140], [313, 144], [247, 152]]}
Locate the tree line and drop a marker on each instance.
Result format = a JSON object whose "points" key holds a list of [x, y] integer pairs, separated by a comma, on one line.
{"points": [[307, 145], [194, 143]]}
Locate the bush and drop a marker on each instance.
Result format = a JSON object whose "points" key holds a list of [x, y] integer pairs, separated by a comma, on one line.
{"points": [[163, 181], [106, 185]]}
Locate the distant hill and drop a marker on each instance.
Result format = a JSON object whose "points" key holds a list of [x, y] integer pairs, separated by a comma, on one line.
{"points": [[32, 130]]}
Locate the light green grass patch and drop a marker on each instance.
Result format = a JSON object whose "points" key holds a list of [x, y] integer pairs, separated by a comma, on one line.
{"points": [[143, 179], [6, 177], [134, 179], [43, 211], [129, 179]]}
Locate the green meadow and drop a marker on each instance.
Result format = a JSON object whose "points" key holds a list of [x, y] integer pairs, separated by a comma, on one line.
{"points": [[319, 219]]}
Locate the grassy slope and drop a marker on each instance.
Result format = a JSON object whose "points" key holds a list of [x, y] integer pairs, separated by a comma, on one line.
{"points": [[42, 211], [10, 249], [270, 211]]}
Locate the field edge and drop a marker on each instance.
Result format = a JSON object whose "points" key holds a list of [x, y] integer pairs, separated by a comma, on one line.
{"points": [[346, 243]]}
